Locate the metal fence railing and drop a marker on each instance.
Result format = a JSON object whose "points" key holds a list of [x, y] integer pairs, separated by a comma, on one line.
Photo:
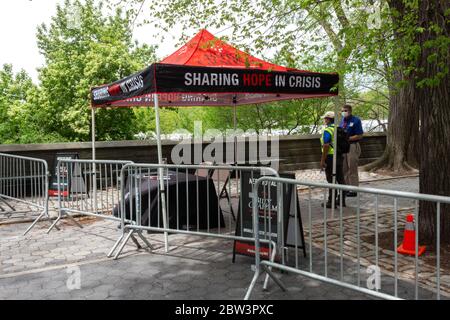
{"points": [[23, 187], [87, 187], [350, 243], [194, 200]]}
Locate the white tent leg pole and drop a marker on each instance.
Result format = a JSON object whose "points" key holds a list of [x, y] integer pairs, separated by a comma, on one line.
{"points": [[336, 124], [93, 132], [235, 117], [94, 157], [235, 131], [161, 173]]}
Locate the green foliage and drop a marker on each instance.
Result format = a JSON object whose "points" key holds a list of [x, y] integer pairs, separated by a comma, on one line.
{"points": [[90, 42], [80, 54], [407, 47], [83, 46], [14, 109]]}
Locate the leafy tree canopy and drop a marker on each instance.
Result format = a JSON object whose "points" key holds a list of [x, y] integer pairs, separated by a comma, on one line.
{"points": [[84, 47], [14, 90]]}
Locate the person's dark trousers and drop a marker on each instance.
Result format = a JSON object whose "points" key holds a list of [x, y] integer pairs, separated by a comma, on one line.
{"points": [[339, 176]]}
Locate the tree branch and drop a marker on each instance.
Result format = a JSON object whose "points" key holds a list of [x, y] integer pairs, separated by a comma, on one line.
{"points": [[340, 14]]}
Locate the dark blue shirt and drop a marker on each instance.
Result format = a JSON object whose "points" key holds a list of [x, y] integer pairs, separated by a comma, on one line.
{"points": [[352, 126]]}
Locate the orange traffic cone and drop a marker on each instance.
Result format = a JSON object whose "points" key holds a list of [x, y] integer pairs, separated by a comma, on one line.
{"points": [[409, 239]]}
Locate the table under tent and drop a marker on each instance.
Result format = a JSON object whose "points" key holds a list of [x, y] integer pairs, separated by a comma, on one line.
{"points": [[206, 71]]}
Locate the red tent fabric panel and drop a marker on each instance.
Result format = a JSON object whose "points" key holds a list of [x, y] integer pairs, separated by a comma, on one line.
{"points": [[208, 51]]}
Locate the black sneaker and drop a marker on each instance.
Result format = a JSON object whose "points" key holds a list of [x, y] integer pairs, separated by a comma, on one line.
{"points": [[351, 194]]}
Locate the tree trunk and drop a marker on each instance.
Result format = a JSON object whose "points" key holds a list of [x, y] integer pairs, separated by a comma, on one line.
{"points": [[403, 130], [402, 148], [434, 101]]}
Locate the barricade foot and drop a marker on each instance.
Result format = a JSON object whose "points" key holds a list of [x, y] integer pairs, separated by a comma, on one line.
{"points": [[124, 242], [252, 285], [133, 238], [274, 278], [166, 242], [74, 221], [272, 259], [266, 282], [53, 225], [109, 255], [145, 241], [34, 223], [7, 204]]}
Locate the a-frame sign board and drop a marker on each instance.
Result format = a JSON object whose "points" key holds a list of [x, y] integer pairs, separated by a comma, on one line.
{"points": [[71, 180], [268, 212]]}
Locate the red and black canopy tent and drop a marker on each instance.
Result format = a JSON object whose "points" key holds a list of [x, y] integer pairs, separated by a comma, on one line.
{"points": [[208, 72]]}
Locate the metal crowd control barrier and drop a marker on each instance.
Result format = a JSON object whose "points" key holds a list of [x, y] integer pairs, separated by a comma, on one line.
{"points": [[193, 202], [88, 187], [325, 259], [23, 180]]}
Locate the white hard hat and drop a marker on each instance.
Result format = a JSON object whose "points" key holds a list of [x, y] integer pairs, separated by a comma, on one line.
{"points": [[329, 115]]}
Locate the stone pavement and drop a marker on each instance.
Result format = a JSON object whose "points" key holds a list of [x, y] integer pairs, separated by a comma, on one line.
{"points": [[368, 202], [154, 277], [317, 175], [36, 266]]}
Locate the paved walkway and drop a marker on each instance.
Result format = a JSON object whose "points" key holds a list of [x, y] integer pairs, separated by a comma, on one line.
{"points": [[39, 266], [154, 276]]}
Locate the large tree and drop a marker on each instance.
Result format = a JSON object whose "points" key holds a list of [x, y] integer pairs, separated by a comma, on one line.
{"points": [[85, 46], [402, 148], [433, 98], [421, 36]]}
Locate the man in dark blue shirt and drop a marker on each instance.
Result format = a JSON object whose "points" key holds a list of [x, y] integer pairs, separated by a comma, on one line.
{"points": [[353, 127]]}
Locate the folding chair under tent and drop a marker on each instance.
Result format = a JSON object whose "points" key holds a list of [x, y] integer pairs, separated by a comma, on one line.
{"points": [[209, 72]]}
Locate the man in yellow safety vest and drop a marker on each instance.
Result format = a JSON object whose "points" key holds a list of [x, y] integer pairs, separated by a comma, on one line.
{"points": [[326, 162]]}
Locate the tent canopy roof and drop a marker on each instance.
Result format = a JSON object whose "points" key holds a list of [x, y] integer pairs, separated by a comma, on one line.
{"points": [[209, 72], [207, 50]]}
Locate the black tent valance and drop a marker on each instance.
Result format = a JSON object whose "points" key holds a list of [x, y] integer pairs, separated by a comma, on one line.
{"points": [[193, 85]]}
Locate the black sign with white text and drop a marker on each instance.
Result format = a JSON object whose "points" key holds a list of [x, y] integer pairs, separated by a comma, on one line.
{"points": [[170, 78], [70, 177], [173, 78], [267, 215]]}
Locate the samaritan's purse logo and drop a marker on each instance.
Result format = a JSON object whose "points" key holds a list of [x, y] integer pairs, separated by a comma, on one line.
{"points": [[101, 93], [127, 86], [132, 84]]}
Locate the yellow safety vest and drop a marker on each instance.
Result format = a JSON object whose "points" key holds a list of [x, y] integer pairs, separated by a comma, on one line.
{"points": [[330, 130]]}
